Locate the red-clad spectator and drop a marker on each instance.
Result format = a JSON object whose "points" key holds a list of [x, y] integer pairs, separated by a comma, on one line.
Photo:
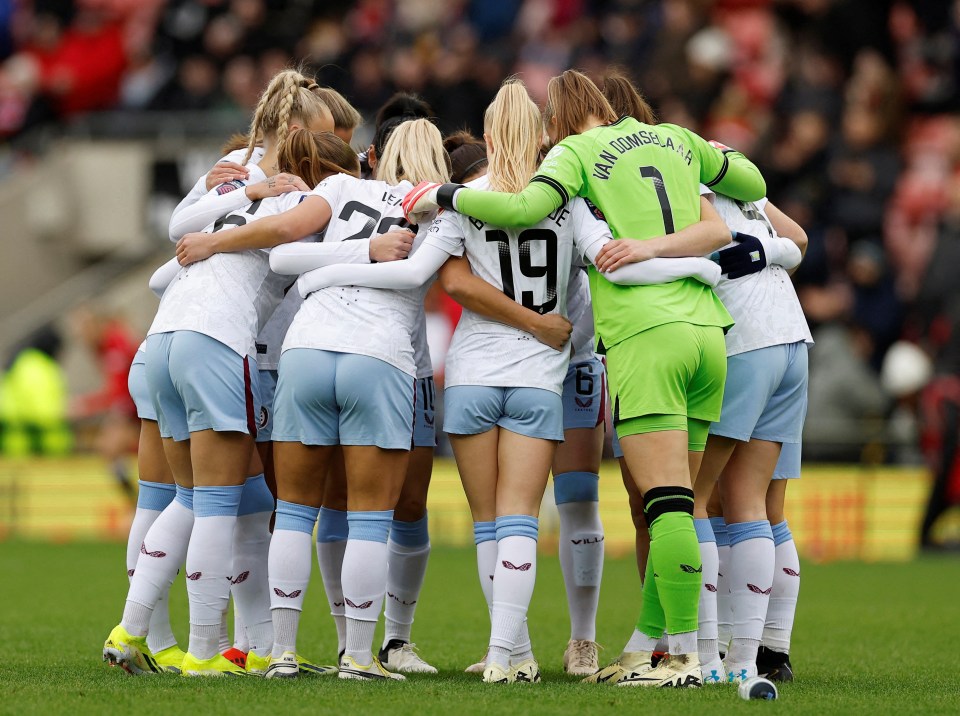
{"points": [[112, 344], [80, 66]]}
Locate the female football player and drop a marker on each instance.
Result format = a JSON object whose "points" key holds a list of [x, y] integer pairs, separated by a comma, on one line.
{"points": [[763, 409], [577, 460]]}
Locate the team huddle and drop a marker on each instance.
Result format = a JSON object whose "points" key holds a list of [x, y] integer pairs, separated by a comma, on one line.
{"points": [[286, 387]]}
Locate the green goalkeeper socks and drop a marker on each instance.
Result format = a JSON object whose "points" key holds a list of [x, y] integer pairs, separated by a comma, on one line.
{"points": [[674, 563], [651, 621]]}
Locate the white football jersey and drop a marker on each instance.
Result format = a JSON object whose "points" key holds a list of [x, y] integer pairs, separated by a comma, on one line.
{"points": [[530, 265], [373, 322], [273, 332], [228, 296], [765, 304], [580, 313], [421, 348]]}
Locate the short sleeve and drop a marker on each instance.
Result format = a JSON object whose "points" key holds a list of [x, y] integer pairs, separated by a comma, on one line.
{"points": [[590, 229], [286, 202], [330, 188], [562, 171], [445, 233]]}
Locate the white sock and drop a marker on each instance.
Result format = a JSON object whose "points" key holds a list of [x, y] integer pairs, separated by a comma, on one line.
{"points": [[160, 636], [289, 565], [223, 638], [641, 642], [786, 588], [251, 547], [513, 582], [408, 550], [581, 551], [724, 610], [163, 550], [485, 538], [707, 622], [240, 641], [286, 624], [331, 543], [751, 581], [152, 499], [364, 579], [209, 563], [683, 643], [523, 649]]}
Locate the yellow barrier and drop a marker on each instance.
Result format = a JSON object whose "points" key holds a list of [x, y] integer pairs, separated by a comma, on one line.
{"points": [[841, 512]]}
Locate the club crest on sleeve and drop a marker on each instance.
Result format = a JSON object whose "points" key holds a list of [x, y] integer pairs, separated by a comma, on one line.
{"points": [[229, 186], [595, 210]]}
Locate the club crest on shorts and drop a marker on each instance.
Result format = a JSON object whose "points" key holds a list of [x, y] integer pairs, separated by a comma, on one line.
{"points": [[263, 417]]}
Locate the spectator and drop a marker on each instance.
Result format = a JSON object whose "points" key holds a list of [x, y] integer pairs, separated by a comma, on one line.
{"points": [[33, 400]]}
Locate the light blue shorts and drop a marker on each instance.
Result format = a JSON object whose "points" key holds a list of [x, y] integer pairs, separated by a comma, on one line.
{"points": [[788, 466], [474, 409], [584, 395], [425, 414], [139, 391], [197, 383], [765, 396], [268, 388], [328, 398]]}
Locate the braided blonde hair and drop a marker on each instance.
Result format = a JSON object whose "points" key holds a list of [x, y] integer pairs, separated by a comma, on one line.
{"points": [[288, 95], [515, 128]]}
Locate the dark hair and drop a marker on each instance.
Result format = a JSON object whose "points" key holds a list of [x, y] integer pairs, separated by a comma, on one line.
{"points": [[626, 99], [404, 104], [399, 108], [468, 155]]}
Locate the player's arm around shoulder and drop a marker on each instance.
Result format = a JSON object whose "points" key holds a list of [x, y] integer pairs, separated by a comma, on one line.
{"points": [[310, 216], [725, 170]]}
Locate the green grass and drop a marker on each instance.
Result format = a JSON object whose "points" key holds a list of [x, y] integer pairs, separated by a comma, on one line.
{"points": [[871, 639]]}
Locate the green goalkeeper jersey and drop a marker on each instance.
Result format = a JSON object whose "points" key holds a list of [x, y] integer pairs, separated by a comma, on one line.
{"points": [[645, 180]]}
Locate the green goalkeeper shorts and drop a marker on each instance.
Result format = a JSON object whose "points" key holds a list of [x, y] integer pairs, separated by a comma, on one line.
{"points": [[675, 369]]}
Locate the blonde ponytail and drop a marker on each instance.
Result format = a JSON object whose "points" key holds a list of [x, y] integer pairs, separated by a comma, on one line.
{"points": [[414, 152], [513, 123], [289, 95]]}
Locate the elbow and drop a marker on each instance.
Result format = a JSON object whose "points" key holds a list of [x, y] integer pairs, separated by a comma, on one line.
{"points": [[800, 239], [453, 285], [280, 263], [282, 234]]}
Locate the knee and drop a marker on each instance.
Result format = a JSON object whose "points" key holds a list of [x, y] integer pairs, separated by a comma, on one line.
{"points": [[410, 508]]}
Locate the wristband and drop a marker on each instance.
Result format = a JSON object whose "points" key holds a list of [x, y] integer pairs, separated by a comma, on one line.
{"points": [[446, 195]]}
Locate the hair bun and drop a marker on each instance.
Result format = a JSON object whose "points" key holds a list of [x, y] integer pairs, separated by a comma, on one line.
{"points": [[458, 139]]}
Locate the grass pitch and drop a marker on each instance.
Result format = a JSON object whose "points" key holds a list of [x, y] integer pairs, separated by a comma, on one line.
{"points": [[876, 639]]}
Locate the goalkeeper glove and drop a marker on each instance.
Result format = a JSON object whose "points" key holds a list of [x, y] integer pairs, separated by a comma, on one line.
{"points": [[425, 198]]}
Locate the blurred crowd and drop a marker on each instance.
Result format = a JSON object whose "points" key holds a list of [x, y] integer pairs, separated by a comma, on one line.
{"points": [[850, 107]]}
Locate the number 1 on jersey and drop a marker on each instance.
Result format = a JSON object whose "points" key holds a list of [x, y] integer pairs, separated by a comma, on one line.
{"points": [[654, 174]]}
